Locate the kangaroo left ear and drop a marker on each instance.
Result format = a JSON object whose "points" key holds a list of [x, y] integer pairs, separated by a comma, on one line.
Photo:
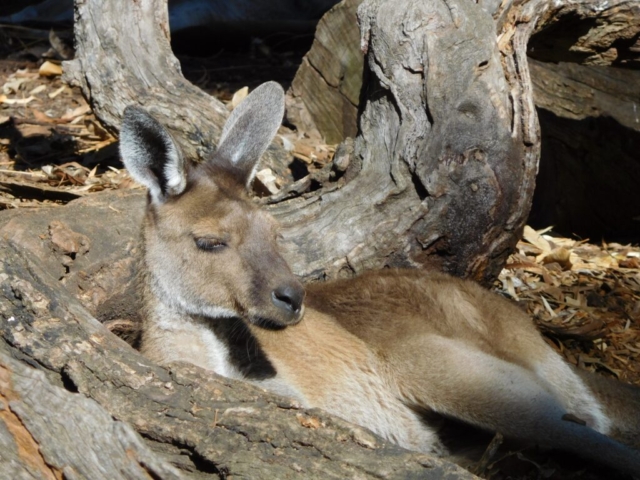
{"points": [[249, 130], [150, 155]]}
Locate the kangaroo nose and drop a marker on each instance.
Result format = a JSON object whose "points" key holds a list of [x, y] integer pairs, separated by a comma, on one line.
{"points": [[288, 297]]}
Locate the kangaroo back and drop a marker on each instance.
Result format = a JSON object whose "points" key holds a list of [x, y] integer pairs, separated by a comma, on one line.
{"points": [[463, 353]]}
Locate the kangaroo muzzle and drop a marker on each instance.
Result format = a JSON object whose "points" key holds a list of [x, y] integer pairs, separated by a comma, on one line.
{"points": [[289, 298]]}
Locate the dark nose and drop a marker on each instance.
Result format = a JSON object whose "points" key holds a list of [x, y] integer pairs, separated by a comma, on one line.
{"points": [[288, 297]]}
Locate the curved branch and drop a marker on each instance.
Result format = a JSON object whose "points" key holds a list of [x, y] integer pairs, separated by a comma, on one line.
{"points": [[443, 169]]}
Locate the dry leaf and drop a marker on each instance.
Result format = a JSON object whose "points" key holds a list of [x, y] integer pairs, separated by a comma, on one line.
{"points": [[13, 85], [268, 180], [286, 143], [83, 109], [16, 101], [535, 239], [53, 95], [308, 422], [27, 130], [584, 296], [238, 97], [38, 89], [50, 69], [631, 262], [41, 117], [561, 256]]}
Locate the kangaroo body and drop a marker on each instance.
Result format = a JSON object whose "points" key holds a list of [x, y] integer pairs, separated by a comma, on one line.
{"points": [[386, 350]]}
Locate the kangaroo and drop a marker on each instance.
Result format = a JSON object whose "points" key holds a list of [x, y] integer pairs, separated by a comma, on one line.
{"points": [[386, 350]]}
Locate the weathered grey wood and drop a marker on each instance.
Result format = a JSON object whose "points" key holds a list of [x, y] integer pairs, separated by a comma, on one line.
{"points": [[47, 432], [590, 168], [604, 28], [441, 174], [95, 264], [564, 38], [203, 424], [589, 32], [574, 91], [123, 57], [439, 112], [436, 157], [434, 180], [325, 93]]}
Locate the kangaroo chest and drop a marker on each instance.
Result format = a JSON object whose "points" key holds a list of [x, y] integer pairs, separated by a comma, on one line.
{"points": [[331, 369], [311, 362]]}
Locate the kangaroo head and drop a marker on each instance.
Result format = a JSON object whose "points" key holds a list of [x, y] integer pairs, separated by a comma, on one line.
{"points": [[208, 249]]}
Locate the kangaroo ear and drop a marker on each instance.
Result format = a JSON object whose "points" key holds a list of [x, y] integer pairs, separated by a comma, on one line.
{"points": [[150, 155], [250, 129]]}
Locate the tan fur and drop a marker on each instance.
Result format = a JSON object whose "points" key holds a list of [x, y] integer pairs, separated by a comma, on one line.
{"points": [[431, 306], [385, 350]]}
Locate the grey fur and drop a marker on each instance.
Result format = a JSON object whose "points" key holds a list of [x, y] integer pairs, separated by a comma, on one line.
{"points": [[250, 129], [150, 155]]}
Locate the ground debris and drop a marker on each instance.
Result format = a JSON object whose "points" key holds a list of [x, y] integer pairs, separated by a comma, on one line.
{"points": [[53, 148], [585, 298]]}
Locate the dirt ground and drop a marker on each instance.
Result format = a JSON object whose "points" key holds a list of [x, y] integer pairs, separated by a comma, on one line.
{"points": [[585, 297]]}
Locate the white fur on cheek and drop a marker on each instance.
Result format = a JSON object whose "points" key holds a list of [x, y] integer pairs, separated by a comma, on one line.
{"points": [[170, 293]]}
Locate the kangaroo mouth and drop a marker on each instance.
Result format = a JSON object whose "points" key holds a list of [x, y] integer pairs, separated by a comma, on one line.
{"points": [[270, 323]]}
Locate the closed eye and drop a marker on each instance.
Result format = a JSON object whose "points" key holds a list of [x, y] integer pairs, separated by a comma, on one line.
{"points": [[209, 244]]}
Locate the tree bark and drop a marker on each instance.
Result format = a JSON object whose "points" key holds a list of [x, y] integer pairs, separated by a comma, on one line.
{"points": [[325, 93], [442, 171], [575, 98], [76, 401], [590, 168]]}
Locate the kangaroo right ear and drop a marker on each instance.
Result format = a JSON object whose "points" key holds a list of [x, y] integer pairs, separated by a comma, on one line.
{"points": [[150, 155], [250, 129]]}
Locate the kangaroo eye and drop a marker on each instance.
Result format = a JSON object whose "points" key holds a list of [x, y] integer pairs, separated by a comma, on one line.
{"points": [[209, 244]]}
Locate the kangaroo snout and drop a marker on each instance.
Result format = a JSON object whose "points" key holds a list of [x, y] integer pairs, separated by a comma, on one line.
{"points": [[288, 298]]}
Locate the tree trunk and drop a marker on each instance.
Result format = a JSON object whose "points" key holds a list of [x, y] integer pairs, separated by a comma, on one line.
{"points": [[575, 101], [442, 171]]}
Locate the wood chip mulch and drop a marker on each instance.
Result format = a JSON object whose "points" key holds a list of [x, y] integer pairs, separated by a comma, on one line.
{"points": [[52, 147], [585, 298]]}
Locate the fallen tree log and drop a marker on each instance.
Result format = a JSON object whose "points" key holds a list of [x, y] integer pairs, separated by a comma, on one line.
{"points": [[64, 377], [325, 93], [590, 168], [442, 171]]}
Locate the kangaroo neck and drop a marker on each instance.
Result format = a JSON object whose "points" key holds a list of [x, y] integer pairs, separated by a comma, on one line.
{"points": [[245, 352]]}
